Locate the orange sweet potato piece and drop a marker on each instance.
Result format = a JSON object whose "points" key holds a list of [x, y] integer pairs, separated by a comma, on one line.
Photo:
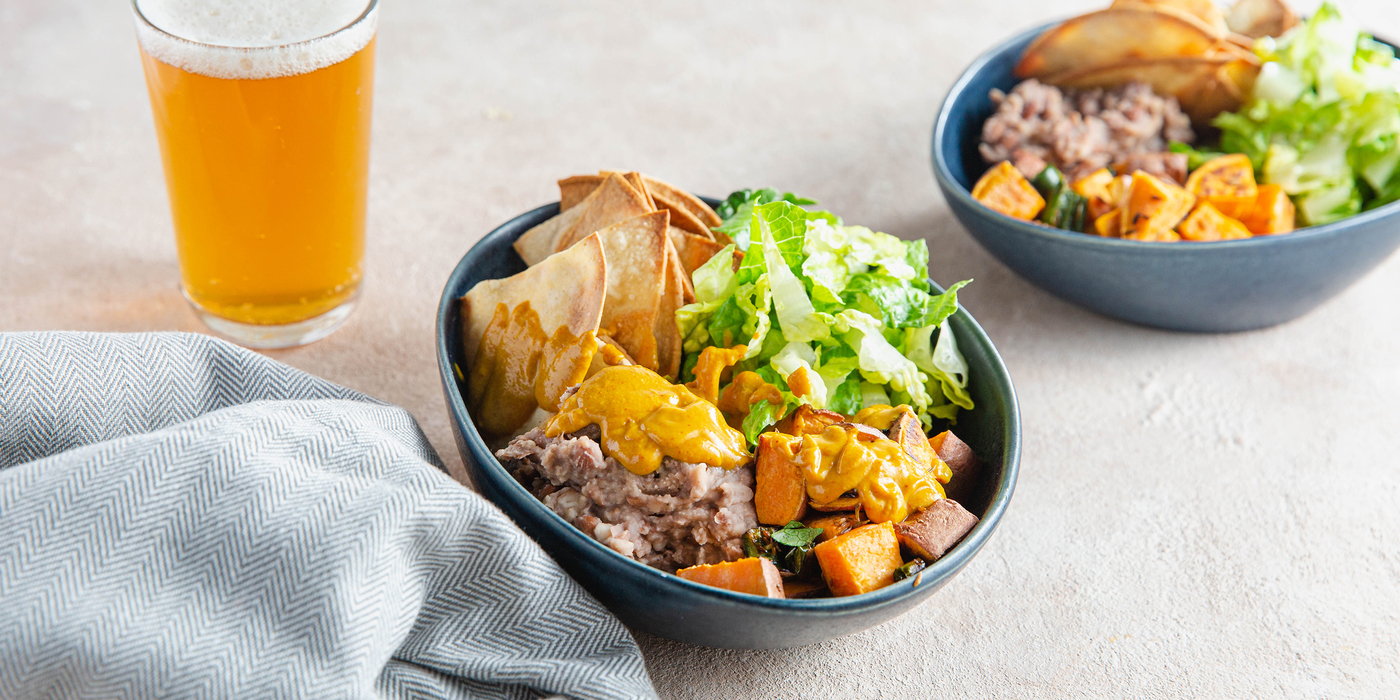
{"points": [[861, 560], [1272, 213], [754, 575], [931, 532], [907, 431], [1006, 190], [1110, 225], [1097, 187], [780, 491], [1206, 223], [1153, 207], [808, 421], [1227, 182], [962, 462]]}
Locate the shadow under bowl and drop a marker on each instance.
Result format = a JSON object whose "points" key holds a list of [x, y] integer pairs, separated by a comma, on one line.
{"points": [[1203, 287], [665, 605]]}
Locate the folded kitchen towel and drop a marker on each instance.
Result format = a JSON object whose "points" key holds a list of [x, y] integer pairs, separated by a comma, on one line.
{"points": [[180, 517]]}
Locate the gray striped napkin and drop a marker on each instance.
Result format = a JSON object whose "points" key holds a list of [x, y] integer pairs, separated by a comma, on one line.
{"points": [[180, 517]]}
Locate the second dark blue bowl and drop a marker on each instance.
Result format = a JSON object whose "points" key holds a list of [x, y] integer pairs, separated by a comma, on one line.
{"points": [[1208, 287]]}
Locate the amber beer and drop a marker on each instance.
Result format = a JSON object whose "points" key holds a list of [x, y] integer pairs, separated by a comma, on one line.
{"points": [[262, 111]]}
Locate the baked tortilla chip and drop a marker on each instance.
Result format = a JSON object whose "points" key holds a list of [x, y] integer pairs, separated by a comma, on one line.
{"points": [[573, 190], [682, 218], [634, 179], [694, 251], [564, 290], [668, 334], [541, 241], [509, 326], [613, 202], [636, 253], [696, 206], [1115, 36]]}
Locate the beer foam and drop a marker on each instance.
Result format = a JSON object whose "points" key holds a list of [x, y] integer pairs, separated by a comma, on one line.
{"points": [[254, 39]]}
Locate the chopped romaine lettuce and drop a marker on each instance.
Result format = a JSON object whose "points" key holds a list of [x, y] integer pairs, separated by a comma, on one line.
{"points": [[737, 208], [848, 304]]}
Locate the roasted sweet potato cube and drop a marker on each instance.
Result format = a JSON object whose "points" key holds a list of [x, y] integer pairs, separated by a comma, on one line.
{"points": [[1153, 207], [1272, 213], [1110, 225], [1227, 182], [754, 575], [861, 560], [780, 491], [808, 421], [833, 526], [1004, 189], [910, 435], [1097, 187], [961, 461], [1206, 223], [931, 532]]}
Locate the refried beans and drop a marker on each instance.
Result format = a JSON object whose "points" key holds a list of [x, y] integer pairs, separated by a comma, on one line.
{"points": [[678, 516], [1081, 131]]}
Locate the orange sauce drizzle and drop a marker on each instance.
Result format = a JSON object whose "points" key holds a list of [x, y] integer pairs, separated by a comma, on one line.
{"points": [[645, 418], [519, 368]]}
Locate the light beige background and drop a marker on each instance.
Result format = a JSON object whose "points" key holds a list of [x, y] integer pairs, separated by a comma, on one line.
{"points": [[1207, 516]]}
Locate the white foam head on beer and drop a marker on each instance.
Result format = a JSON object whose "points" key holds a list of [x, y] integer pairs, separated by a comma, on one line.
{"points": [[254, 38]]}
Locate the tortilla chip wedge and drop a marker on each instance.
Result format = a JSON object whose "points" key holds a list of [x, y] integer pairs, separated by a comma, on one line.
{"points": [[565, 293], [1260, 18], [682, 218], [634, 179], [693, 250], [1205, 10], [613, 202], [696, 206], [1114, 36], [668, 334], [541, 241], [636, 251], [573, 190], [564, 290]]}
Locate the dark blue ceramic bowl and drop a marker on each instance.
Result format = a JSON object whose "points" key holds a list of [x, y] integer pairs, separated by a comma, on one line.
{"points": [[665, 605], [1208, 287]]}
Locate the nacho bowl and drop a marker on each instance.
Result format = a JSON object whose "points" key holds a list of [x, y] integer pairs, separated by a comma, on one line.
{"points": [[666, 605], [1218, 286]]}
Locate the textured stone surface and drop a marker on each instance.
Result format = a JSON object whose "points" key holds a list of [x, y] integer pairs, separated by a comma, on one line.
{"points": [[1208, 516]]}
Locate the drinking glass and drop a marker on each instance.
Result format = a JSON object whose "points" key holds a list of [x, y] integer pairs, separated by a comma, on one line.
{"points": [[262, 111]]}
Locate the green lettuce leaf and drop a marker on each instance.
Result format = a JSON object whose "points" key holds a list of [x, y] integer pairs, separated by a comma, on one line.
{"points": [[797, 317], [879, 361], [736, 210]]}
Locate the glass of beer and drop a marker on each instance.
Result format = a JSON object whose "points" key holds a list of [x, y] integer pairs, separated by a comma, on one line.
{"points": [[262, 110]]}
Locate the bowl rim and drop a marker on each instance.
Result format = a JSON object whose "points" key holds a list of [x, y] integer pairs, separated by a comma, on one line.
{"points": [[941, 570], [951, 186]]}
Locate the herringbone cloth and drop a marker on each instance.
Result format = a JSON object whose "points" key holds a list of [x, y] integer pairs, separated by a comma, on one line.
{"points": [[180, 517]]}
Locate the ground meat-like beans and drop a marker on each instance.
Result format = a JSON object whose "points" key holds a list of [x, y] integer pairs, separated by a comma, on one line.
{"points": [[680, 515], [1080, 131]]}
